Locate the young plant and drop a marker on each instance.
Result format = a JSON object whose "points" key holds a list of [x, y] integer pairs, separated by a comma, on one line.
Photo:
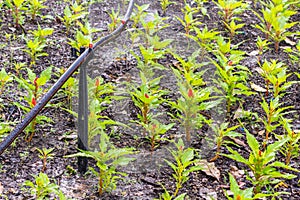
{"points": [[115, 19], [165, 4], [107, 158], [80, 42], [17, 6], [221, 133], [274, 22], [188, 22], [35, 50], [262, 163], [41, 188], [35, 7], [139, 13], [34, 88], [45, 154], [167, 196], [232, 27], [69, 18], [246, 194], [155, 129], [147, 97], [5, 78], [232, 77], [291, 148], [41, 34], [262, 46], [230, 8], [274, 112], [183, 165]]}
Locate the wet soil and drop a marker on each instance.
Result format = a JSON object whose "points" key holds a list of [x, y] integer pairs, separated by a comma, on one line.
{"points": [[114, 63]]}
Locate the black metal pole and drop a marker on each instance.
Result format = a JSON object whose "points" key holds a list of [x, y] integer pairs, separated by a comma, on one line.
{"points": [[83, 117]]}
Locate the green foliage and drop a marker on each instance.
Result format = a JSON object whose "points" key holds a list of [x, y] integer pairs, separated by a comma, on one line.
{"points": [[42, 187], [183, 165], [262, 163], [35, 7], [34, 88], [108, 158], [5, 78], [155, 130], [232, 77], [230, 8], [232, 27], [291, 148], [41, 34], [45, 154], [80, 41], [165, 4], [70, 17], [17, 7], [146, 97], [274, 112], [223, 132], [115, 19], [35, 50], [139, 13], [275, 21], [188, 22]]}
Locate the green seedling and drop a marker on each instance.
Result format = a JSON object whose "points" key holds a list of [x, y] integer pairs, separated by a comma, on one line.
{"points": [[167, 196], [246, 194], [45, 154], [223, 132], [262, 46], [274, 112], [17, 6], [270, 70], [294, 54], [34, 89], [165, 4], [139, 13], [232, 77], [188, 22], [205, 39], [262, 163], [69, 18], [274, 22], [78, 8], [147, 61], [147, 97], [35, 7], [184, 164], [115, 19], [230, 8], [291, 148], [42, 187], [81, 41], [108, 158], [86, 28], [5, 78], [155, 130], [35, 50], [232, 27], [41, 34]]}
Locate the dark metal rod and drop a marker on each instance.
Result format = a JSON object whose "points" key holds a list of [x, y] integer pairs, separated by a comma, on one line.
{"points": [[53, 90], [83, 117]]}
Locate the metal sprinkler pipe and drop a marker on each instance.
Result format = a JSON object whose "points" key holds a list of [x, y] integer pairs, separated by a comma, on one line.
{"points": [[53, 90]]}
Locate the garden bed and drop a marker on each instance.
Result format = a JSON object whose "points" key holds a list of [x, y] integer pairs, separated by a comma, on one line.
{"points": [[193, 96]]}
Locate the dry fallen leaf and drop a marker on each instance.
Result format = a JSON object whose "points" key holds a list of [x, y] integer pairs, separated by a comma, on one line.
{"points": [[290, 42], [257, 88], [210, 169], [1, 188], [262, 132], [253, 53], [259, 70]]}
